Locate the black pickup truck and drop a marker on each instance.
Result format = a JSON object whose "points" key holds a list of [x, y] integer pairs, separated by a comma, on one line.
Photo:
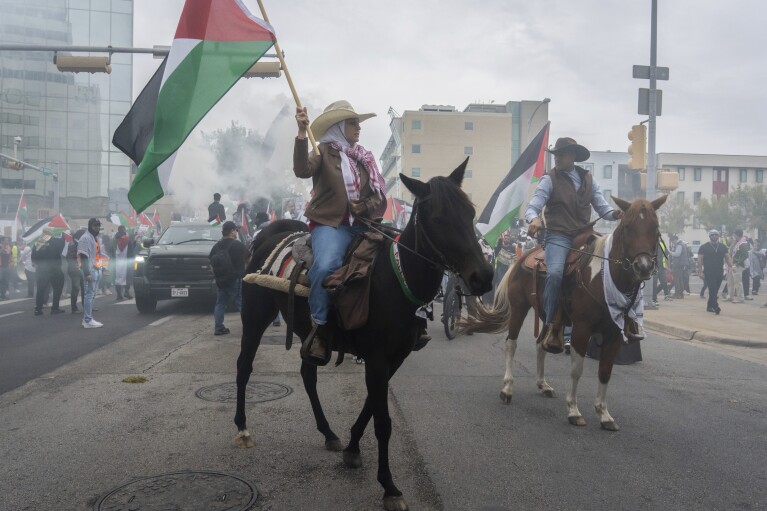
{"points": [[176, 266]]}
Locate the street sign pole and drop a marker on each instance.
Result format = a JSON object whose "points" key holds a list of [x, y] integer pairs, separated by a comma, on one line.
{"points": [[651, 163]]}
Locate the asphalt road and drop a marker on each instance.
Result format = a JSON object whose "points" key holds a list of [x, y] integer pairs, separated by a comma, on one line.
{"points": [[31, 346], [692, 418]]}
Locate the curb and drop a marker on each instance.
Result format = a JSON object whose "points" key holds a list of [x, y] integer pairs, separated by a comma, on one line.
{"points": [[702, 335]]}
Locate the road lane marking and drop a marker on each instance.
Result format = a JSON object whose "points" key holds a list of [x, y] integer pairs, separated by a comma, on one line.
{"points": [[11, 314], [161, 320], [126, 302], [15, 300]]}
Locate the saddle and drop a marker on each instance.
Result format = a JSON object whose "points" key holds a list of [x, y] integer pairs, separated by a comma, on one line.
{"points": [[535, 260]]}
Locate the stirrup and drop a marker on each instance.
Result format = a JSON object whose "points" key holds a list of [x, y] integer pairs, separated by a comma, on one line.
{"points": [[315, 349]]}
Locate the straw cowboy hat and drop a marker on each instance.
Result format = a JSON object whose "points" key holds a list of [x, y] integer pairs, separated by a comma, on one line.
{"points": [[333, 113], [569, 144]]}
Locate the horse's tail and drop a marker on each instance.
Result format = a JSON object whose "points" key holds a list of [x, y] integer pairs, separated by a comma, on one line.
{"points": [[496, 319]]}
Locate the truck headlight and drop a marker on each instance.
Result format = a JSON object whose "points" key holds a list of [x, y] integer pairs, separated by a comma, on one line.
{"points": [[138, 260]]}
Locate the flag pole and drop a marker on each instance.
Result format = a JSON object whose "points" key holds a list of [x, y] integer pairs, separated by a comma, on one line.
{"points": [[290, 80]]}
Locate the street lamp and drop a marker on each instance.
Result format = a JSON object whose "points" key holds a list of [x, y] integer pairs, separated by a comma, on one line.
{"points": [[530, 121]]}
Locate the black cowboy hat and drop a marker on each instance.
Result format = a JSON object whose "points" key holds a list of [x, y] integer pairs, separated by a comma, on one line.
{"points": [[569, 144]]}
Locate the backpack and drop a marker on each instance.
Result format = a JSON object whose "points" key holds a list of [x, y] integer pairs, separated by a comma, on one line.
{"points": [[222, 266]]}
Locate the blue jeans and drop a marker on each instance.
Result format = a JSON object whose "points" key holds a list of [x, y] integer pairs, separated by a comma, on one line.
{"points": [[90, 294], [223, 297], [555, 269], [329, 245]]}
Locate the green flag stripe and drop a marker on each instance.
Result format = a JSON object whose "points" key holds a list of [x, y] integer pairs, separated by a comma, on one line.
{"points": [[495, 232], [198, 82]]}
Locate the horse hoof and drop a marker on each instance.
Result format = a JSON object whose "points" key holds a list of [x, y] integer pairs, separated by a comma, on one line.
{"points": [[244, 440], [610, 426], [395, 504], [352, 459], [549, 393], [334, 445], [577, 421], [505, 398]]}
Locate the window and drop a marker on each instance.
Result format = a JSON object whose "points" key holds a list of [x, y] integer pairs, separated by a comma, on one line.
{"points": [[743, 175], [759, 175], [415, 172], [680, 171], [680, 196], [696, 198], [468, 126], [468, 150], [589, 167], [468, 173], [607, 172], [697, 174], [416, 149], [415, 124]]}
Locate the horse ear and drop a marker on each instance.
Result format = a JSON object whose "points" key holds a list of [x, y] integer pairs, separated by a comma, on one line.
{"points": [[457, 175], [660, 201], [623, 204], [416, 187]]}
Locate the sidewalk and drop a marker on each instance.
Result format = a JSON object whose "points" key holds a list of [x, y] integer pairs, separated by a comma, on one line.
{"points": [[742, 324]]}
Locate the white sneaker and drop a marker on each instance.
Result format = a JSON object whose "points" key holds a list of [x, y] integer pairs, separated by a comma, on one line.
{"points": [[92, 324]]}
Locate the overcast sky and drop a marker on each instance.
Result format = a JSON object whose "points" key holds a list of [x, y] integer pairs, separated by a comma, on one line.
{"points": [[406, 53]]}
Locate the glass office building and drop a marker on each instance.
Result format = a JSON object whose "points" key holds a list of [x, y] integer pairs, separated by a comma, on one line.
{"points": [[65, 120]]}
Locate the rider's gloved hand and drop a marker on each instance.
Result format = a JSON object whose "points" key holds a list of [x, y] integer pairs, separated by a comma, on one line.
{"points": [[534, 227]]}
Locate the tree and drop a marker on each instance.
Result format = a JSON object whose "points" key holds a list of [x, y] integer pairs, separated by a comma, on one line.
{"points": [[751, 201], [675, 215], [717, 214]]}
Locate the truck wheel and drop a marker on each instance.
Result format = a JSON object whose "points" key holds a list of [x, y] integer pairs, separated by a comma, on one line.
{"points": [[146, 304]]}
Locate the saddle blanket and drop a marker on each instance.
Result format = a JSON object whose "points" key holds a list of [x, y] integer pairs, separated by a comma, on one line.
{"points": [[277, 270]]}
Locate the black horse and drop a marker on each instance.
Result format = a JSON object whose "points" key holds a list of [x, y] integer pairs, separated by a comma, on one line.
{"points": [[440, 234]]}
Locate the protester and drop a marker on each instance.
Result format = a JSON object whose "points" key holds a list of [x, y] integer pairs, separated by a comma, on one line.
{"points": [[659, 281], [757, 261], [678, 262], [75, 274], [122, 260], [46, 255], [711, 258], [566, 196], [747, 273], [738, 256], [216, 209], [347, 186], [89, 251], [6, 258], [29, 268], [505, 253], [227, 258]]}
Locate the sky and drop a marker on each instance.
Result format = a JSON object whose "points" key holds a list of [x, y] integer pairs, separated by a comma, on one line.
{"points": [[404, 54]]}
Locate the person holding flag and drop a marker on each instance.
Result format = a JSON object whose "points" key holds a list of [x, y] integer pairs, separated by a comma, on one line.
{"points": [[565, 196], [347, 186]]}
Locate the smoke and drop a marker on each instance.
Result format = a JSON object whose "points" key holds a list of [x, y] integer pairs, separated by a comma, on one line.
{"points": [[260, 170]]}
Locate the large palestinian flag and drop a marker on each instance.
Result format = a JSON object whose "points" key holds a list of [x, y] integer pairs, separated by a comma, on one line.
{"points": [[121, 218], [216, 42], [57, 224], [505, 204]]}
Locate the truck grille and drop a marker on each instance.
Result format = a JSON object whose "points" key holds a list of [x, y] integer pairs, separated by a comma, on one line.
{"points": [[179, 269]]}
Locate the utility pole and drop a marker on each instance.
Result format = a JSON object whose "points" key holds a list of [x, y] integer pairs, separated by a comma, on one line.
{"points": [[651, 163]]}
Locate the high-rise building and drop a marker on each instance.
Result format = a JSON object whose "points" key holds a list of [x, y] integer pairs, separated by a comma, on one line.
{"points": [[65, 120], [435, 139]]}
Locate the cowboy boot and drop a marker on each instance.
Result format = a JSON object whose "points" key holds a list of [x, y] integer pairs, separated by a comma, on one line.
{"points": [[551, 339], [315, 349], [633, 330]]}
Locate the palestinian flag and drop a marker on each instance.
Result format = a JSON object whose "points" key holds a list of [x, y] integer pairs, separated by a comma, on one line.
{"points": [[120, 218], [505, 204], [216, 222], [21, 212], [143, 219], [244, 224], [216, 42], [57, 224]]}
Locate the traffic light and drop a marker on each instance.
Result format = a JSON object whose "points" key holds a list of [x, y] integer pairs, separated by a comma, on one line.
{"points": [[638, 147], [14, 165]]}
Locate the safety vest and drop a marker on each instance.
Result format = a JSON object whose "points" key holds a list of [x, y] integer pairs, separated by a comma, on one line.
{"points": [[102, 261]]}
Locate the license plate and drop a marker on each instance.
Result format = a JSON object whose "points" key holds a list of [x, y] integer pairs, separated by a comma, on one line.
{"points": [[178, 292]]}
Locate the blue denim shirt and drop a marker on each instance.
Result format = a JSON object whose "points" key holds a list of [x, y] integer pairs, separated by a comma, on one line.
{"points": [[545, 187]]}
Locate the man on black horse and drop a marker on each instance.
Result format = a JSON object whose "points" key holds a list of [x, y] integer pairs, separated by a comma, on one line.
{"points": [[565, 196]]}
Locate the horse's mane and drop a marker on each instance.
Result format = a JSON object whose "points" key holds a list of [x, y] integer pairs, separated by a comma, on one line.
{"points": [[447, 196]]}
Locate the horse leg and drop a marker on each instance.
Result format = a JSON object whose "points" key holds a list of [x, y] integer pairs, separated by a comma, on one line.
{"points": [[546, 389], [257, 311], [579, 340], [377, 381], [352, 457], [515, 324], [309, 376], [606, 360]]}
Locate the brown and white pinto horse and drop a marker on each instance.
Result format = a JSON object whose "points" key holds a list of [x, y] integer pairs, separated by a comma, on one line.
{"points": [[632, 260]]}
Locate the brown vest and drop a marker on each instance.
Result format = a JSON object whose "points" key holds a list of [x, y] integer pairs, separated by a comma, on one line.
{"points": [[567, 211]]}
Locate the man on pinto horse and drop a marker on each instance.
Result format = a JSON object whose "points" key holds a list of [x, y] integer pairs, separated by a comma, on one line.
{"points": [[565, 195]]}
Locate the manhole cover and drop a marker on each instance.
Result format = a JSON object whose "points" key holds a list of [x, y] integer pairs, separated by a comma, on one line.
{"points": [[190, 491], [256, 392]]}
